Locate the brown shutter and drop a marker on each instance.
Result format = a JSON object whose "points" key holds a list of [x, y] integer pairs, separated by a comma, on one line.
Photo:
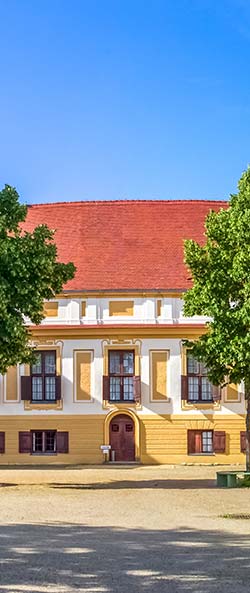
{"points": [[184, 387], [105, 388], [198, 441], [219, 441], [58, 387], [25, 442], [62, 442], [26, 391], [137, 388], [216, 393], [2, 442], [243, 441], [191, 441]]}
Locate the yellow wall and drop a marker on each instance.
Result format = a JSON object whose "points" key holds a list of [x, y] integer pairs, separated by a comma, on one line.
{"points": [[51, 309], [162, 439], [11, 384], [85, 438], [82, 379], [121, 308], [158, 374]]}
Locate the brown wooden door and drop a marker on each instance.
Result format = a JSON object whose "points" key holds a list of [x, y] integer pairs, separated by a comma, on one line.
{"points": [[122, 437]]}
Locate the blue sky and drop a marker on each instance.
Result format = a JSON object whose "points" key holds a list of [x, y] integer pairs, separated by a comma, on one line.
{"points": [[117, 99]]}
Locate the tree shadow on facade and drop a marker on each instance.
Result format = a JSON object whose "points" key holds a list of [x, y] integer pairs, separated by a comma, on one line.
{"points": [[54, 558]]}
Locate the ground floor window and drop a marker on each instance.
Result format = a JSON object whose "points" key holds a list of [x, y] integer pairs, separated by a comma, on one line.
{"points": [[44, 441], [2, 442], [200, 441], [206, 442]]}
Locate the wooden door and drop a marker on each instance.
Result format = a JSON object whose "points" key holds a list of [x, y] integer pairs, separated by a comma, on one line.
{"points": [[122, 437]]}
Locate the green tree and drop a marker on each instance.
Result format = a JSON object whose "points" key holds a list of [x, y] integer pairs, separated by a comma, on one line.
{"points": [[220, 270], [29, 274]]}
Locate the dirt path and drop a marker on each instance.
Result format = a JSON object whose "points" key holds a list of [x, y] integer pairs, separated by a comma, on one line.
{"points": [[110, 529]]}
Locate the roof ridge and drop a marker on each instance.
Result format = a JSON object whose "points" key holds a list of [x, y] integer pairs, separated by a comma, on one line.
{"points": [[128, 201]]}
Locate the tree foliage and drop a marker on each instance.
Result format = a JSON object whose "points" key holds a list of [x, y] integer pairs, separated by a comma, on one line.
{"points": [[221, 289], [29, 274]]}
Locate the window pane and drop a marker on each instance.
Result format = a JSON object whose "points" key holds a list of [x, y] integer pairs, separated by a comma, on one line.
{"points": [[37, 367], [207, 441], [203, 369], [128, 363], [115, 389], [50, 441], [193, 388], [114, 362], [37, 388], [128, 388], [206, 389], [50, 388], [50, 364], [37, 442], [192, 365]]}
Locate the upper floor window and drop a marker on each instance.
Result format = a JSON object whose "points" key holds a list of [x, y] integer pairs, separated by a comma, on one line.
{"points": [[121, 375], [43, 376], [199, 387]]}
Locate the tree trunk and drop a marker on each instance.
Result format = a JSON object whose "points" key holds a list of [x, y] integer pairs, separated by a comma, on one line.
{"points": [[247, 397]]}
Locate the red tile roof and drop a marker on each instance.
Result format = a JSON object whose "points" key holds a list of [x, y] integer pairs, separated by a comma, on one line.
{"points": [[124, 245]]}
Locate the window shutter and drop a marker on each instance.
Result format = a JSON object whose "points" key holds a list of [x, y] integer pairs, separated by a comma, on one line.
{"points": [[243, 441], [58, 387], [25, 442], [62, 442], [219, 441], [216, 393], [191, 441], [105, 388], [26, 391], [137, 388], [2, 442], [184, 387]]}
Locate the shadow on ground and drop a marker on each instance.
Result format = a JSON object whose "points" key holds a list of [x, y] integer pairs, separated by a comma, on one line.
{"points": [[138, 484], [66, 558]]}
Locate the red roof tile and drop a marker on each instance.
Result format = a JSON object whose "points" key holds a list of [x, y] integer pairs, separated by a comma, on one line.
{"points": [[124, 245]]}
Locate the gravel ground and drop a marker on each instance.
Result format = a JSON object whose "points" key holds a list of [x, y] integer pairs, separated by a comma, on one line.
{"points": [[112, 529]]}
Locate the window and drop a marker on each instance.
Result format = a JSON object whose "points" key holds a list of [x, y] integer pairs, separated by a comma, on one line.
{"points": [[199, 387], [243, 443], [200, 441], [2, 442], [44, 441], [43, 376], [121, 375], [206, 442]]}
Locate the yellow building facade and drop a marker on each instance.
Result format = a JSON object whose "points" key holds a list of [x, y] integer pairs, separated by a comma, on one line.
{"points": [[112, 381]]}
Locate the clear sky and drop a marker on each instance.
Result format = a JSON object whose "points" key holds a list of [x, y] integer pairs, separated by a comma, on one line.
{"points": [[115, 99]]}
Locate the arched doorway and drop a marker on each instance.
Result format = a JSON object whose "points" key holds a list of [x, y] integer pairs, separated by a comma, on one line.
{"points": [[122, 437]]}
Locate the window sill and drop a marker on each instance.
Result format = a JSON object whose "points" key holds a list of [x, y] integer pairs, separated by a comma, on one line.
{"points": [[201, 454], [43, 401], [200, 401], [121, 401], [43, 405], [106, 404], [209, 405], [37, 454]]}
